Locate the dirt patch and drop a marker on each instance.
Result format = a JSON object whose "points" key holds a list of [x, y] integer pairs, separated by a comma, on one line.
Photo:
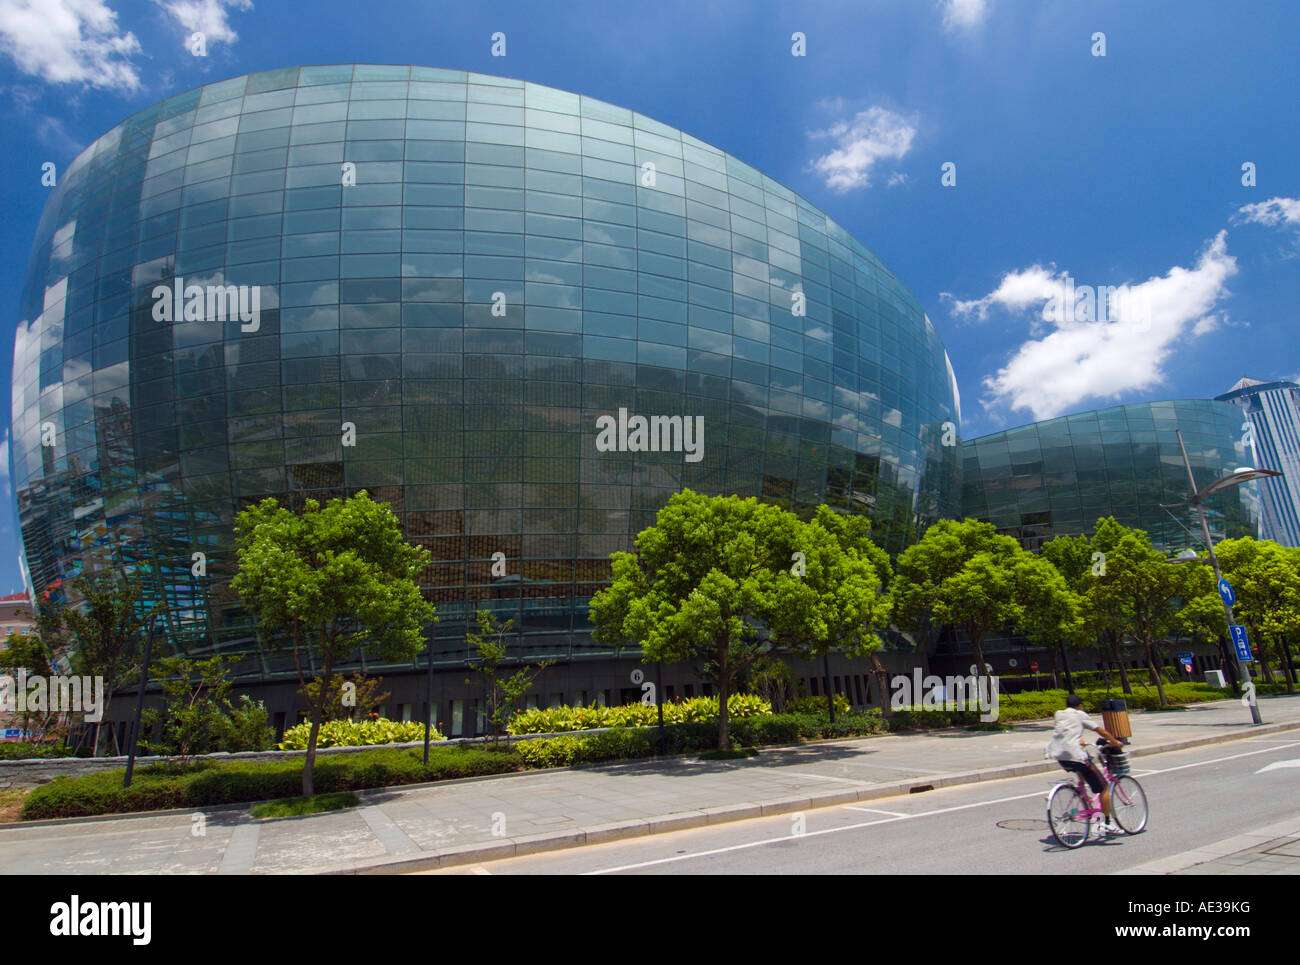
{"points": [[11, 803]]}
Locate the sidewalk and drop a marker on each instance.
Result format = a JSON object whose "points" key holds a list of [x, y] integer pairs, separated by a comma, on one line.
{"points": [[423, 827], [1274, 850]]}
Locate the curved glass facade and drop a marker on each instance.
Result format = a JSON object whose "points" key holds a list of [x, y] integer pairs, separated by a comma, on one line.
{"points": [[1057, 478], [446, 280]]}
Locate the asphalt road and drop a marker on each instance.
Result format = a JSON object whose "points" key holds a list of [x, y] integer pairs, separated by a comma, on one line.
{"points": [[999, 827]]}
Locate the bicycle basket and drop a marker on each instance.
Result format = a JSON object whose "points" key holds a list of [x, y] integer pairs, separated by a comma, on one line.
{"points": [[1116, 760]]}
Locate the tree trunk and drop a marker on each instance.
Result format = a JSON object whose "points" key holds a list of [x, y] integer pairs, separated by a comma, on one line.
{"points": [[1288, 668], [1113, 639], [882, 685], [724, 687], [317, 710], [1056, 667], [309, 763], [1261, 651], [977, 644], [1151, 662]]}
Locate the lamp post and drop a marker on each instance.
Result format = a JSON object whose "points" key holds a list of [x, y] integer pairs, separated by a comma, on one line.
{"points": [[1197, 499]]}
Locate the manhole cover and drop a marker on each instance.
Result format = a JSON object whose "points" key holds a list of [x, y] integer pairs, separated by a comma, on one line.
{"points": [[1023, 824]]}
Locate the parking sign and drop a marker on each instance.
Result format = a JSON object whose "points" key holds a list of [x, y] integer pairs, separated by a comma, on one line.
{"points": [[1242, 644]]}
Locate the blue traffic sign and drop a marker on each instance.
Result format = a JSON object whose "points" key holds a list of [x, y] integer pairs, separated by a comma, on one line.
{"points": [[1226, 591], [1241, 643]]}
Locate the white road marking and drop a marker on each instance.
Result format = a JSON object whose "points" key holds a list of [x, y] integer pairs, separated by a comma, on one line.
{"points": [[829, 777], [892, 814], [905, 817], [1278, 765]]}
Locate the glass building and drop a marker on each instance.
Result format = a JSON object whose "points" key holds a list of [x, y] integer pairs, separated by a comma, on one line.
{"points": [[1058, 477], [433, 285], [1272, 413]]}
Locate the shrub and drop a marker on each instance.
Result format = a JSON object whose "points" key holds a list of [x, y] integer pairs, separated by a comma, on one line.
{"points": [[209, 783], [356, 733], [29, 750], [554, 720], [815, 705]]}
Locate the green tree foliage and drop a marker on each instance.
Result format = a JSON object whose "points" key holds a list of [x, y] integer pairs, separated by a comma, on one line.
{"points": [[1266, 578], [27, 651], [501, 696], [337, 580], [198, 716], [1053, 611], [1082, 561], [105, 631], [853, 536], [345, 699], [722, 581], [964, 574], [1141, 590]]}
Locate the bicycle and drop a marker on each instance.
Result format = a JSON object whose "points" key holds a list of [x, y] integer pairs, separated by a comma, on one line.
{"points": [[1071, 807]]}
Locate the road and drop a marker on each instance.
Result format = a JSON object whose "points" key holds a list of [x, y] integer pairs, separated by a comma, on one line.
{"points": [[1196, 797]]}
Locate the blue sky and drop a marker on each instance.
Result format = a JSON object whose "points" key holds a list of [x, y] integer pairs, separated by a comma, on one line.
{"points": [[1121, 170]]}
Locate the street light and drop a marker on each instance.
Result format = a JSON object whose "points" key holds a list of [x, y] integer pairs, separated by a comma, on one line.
{"points": [[1235, 478]]}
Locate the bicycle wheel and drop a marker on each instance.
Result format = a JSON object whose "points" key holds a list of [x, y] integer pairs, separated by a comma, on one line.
{"points": [[1128, 805], [1067, 817]]}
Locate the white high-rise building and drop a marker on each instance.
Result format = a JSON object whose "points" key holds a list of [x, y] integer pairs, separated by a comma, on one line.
{"points": [[1272, 427]]}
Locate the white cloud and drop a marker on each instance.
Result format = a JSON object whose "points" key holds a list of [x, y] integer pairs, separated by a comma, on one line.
{"points": [[1078, 360], [69, 42], [1016, 292], [872, 135], [51, 133], [896, 178], [964, 14], [1272, 213], [208, 17]]}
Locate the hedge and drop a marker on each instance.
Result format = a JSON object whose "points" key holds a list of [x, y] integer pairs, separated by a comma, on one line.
{"points": [[211, 783], [31, 750], [553, 720], [356, 733]]}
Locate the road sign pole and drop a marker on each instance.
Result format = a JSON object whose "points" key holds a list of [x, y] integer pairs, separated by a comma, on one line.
{"points": [[1242, 667]]}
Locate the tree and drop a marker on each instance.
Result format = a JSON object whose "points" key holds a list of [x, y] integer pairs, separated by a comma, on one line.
{"points": [[772, 679], [106, 633], [723, 581], [27, 651], [1143, 592], [198, 716], [1082, 561], [1052, 610], [500, 696], [962, 574], [853, 533], [1201, 616], [1267, 583], [345, 699], [337, 580]]}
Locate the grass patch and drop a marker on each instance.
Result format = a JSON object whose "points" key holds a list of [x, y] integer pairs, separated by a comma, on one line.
{"points": [[732, 754], [292, 807]]}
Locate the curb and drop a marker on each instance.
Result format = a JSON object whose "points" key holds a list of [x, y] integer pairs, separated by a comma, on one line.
{"points": [[1247, 841], [723, 814]]}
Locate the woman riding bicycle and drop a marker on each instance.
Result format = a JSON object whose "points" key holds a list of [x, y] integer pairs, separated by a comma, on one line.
{"points": [[1067, 748]]}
